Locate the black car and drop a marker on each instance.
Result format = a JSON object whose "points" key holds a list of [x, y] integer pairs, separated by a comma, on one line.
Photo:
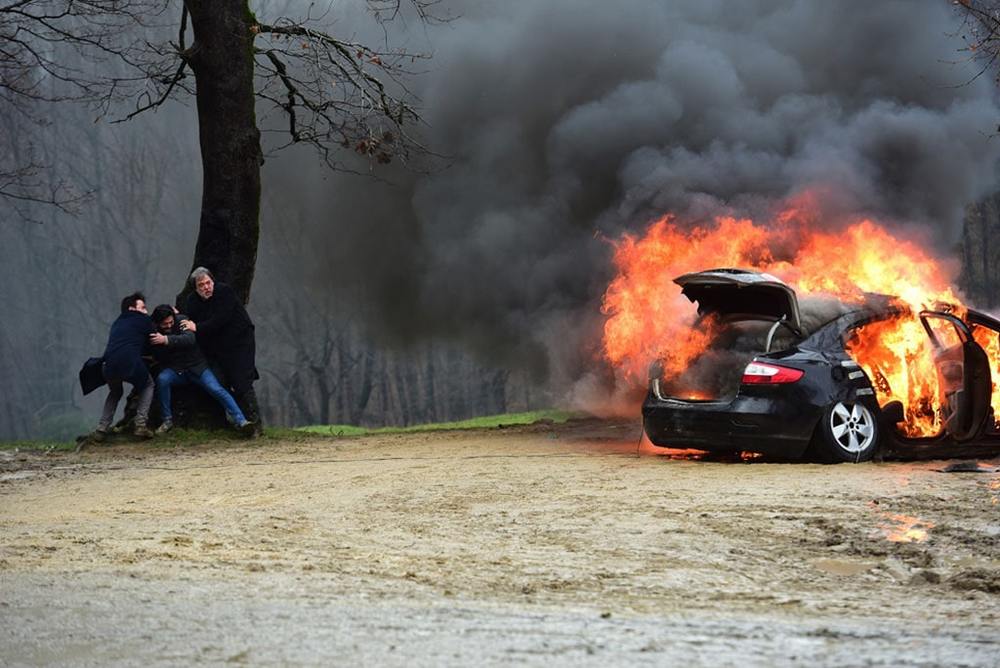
{"points": [[780, 382]]}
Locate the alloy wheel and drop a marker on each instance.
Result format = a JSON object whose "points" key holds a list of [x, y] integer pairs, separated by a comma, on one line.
{"points": [[852, 426]]}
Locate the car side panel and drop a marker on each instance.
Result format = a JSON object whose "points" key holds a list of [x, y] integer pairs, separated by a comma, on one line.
{"points": [[771, 419]]}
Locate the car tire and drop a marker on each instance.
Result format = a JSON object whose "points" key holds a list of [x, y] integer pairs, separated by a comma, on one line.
{"points": [[847, 432]]}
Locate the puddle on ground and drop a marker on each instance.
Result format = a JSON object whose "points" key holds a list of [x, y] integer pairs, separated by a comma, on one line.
{"points": [[899, 528], [17, 475], [843, 566]]}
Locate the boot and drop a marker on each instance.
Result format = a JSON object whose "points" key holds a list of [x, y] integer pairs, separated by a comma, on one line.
{"points": [[248, 404], [247, 429]]}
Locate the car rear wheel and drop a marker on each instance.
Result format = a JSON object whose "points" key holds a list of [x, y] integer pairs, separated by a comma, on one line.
{"points": [[848, 432]]}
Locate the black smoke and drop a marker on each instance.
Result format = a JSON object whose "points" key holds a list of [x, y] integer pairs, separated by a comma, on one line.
{"points": [[564, 123]]}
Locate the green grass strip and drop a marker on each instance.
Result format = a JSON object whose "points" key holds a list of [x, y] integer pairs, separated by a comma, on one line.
{"points": [[198, 436], [487, 422], [44, 445]]}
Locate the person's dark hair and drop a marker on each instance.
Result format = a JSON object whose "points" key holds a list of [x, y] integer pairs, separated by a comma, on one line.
{"points": [[130, 301], [162, 312]]}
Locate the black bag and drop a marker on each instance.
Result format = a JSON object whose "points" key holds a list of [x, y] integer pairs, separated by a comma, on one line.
{"points": [[92, 375]]}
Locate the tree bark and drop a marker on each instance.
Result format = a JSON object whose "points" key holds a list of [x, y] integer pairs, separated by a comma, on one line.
{"points": [[222, 60], [362, 396]]}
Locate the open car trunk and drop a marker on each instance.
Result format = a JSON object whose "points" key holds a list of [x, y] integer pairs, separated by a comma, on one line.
{"points": [[748, 313], [715, 375]]}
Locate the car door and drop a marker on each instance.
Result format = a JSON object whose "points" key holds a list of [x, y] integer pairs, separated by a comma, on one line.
{"points": [[964, 375], [986, 332]]}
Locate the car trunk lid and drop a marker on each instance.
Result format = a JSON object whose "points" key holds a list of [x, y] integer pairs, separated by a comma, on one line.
{"points": [[741, 294]]}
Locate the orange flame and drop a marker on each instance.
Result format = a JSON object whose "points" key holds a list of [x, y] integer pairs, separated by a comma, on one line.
{"points": [[990, 342], [648, 318], [898, 358]]}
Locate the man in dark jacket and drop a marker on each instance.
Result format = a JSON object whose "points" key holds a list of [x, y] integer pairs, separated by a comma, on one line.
{"points": [[123, 363], [226, 335], [181, 362]]}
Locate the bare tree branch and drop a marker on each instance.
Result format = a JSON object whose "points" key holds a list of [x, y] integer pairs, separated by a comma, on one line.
{"points": [[145, 102], [340, 96], [86, 51], [351, 95], [981, 32]]}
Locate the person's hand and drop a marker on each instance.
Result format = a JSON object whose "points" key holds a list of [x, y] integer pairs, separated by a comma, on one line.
{"points": [[157, 339], [189, 326]]}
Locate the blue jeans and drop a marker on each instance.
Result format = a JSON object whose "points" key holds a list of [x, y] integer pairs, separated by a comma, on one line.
{"points": [[206, 381]]}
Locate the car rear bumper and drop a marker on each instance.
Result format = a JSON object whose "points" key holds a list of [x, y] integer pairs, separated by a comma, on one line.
{"points": [[776, 425]]}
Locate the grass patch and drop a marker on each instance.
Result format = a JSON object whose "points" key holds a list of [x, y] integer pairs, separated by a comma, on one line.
{"points": [[487, 422], [194, 437], [45, 445], [173, 438]]}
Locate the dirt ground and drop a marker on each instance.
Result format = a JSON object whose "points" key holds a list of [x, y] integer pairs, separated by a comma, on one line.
{"points": [[547, 545]]}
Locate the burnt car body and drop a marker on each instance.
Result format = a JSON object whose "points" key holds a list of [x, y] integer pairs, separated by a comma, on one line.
{"points": [[801, 393]]}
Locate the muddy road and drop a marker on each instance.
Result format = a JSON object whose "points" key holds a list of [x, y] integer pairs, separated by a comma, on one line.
{"points": [[537, 546]]}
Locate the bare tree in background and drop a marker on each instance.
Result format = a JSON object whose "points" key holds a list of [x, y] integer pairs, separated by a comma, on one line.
{"points": [[62, 277], [981, 30], [45, 49], [337, 95]]}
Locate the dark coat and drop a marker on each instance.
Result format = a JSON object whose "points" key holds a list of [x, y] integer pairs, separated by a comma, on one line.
{"points": [[92, 375], [127, 342], [226, 335], [181, 352]]}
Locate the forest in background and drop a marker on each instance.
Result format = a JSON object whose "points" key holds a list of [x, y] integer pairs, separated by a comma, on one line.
{"points": [[63, 276], [428, 293]]}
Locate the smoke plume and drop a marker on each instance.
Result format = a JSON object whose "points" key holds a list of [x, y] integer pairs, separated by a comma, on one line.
{"points": [[566, 123]]}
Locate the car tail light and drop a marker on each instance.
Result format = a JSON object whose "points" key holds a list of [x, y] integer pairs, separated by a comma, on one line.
{"points": [[758, 373]]}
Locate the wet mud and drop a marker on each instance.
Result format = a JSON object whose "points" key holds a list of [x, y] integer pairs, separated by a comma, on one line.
{"points": [[551, 544]]}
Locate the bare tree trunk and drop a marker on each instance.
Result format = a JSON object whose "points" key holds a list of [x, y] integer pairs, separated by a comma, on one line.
{"points": [[222, 60], [363, 395], [989, 220], [432, 413], [498, 390], [325, 394]]}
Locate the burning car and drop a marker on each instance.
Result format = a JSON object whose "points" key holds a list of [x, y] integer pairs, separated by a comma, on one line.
{"points": [[823, 377]]}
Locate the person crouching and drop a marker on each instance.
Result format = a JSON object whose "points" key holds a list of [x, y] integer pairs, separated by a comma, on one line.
{"points": [[123, 363], [182, 362]]}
